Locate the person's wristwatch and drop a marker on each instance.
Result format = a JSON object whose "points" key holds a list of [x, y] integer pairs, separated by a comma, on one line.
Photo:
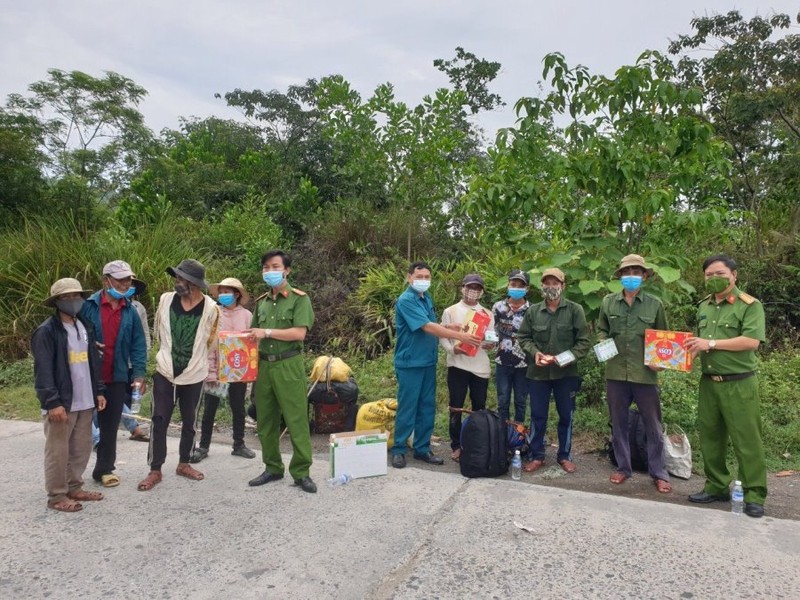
{"points": [[268, 333], [712, 344]]}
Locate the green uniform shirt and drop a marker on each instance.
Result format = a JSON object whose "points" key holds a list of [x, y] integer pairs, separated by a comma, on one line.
{"points": [[625, 325], [553, 333], [739, 314], [290, 308]]}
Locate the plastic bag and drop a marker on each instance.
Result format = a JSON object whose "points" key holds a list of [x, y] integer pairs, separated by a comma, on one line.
{"points": [[677, 453]]}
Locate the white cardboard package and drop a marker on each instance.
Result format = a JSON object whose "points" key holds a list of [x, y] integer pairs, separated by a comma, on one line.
{"points": [[358, 453]]}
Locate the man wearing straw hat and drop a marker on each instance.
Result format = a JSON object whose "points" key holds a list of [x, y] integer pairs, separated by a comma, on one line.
{"points": [[66, 368], [232, 296], [186, 329], [623, 317]]}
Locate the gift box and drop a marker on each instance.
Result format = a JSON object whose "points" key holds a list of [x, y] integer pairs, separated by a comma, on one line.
{"points": [[238, 357], [667, 349], [476, 323]]}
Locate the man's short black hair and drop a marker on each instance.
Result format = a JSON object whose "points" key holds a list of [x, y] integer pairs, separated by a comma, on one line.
{"points": [[287, 260], [418, 265], [723, 258]]}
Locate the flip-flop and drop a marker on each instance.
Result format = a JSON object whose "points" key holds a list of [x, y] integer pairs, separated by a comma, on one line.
{"points": [[140, 437], [664, 487], [109, 480], [65, 505], [85, 496], [618, 477]]}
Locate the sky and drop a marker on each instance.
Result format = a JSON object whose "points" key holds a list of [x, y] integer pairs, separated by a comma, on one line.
{"points": [[183, 53]]}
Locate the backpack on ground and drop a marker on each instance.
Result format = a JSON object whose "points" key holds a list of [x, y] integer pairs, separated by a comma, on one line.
{"points": [[484, 445], [637, 438], [333, 404]]}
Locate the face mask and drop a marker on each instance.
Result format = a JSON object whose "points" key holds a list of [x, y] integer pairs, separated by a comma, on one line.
{"points": [[119, 295], [71, 307], [182, 289], [631, 283], [551, 293], [273, 278], [471, 295], [516, 293], [421, 285], [717, 284], [226, 299]]}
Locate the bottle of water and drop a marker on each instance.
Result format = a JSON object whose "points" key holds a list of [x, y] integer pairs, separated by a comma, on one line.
{"points": [[516, 466], [136, 398], [737, 498], [342, 479]]}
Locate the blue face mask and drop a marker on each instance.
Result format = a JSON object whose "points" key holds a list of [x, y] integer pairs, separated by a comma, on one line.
{"points": [[516, 293], [226, 299], [631, 283], [273, 278], [119, 295], [421, 285]]}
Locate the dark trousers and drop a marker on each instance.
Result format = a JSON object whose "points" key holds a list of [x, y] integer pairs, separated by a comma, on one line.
{"points": [[459, 382], [236, 393], [164, 396], [108, 423], [564, 391], [508, 380], [621, 394]]}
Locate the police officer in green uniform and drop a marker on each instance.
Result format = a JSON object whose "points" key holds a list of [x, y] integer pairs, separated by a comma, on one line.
{"points": [[730, 327], [281, 319]]}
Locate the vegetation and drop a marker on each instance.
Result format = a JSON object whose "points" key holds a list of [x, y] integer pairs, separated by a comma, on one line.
{"points": [[675, 157]]}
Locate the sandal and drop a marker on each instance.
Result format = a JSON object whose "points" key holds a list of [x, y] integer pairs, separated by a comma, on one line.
{"points": [[617, 477], [109, 480], [664, 487], [65, 505], [149, 482], [456, 455], [141, 436], [533, 465], [85, 496], [568, 465], [186, 470]]}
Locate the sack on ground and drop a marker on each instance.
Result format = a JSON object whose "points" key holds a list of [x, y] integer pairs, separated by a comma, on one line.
{"points": [[379, 415], [637, 439], [484, 445], [677, 453]]}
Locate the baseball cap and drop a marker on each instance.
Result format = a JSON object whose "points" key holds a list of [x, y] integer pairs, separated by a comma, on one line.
{"points": [[553, 272], [521, 275], [473, 278], [118, 269]]}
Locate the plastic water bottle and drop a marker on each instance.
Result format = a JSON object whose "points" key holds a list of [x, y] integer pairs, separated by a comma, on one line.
{"points": [[136, 398], [737, 498], [342, 479], [516, 466]]}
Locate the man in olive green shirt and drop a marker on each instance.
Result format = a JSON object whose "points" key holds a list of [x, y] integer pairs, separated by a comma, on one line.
{"points": [[556, 327], [730, 326], [281, 320], [623, 317]]}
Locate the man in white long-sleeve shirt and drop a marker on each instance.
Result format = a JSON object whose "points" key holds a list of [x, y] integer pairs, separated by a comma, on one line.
{"points": [[465, 373]]}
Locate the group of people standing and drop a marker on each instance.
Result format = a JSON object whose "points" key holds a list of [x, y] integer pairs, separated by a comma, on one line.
{"points": [[537, 351]]}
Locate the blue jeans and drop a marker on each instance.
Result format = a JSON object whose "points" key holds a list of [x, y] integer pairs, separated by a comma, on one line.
{"points": [[564, 390], [128, 422], [510, 379]]}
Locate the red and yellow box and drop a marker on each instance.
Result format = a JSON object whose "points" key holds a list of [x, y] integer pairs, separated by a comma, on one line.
{"points": [[238, 357], [667, 349], [476, 323]]}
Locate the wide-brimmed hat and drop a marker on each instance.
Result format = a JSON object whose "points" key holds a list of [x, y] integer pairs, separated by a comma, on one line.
{"points": [[553, 272], [192, 271], [140, 286], [473, 278], [633, 260], [68, 285], [230, 282], [521, 275], [118, 269]]}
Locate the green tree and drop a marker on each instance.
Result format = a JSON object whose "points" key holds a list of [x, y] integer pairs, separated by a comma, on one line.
{"points": [[472, 75], [21, 162]]}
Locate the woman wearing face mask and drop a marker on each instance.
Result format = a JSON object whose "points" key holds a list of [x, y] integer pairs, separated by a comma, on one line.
{"points": [[231, 295]]}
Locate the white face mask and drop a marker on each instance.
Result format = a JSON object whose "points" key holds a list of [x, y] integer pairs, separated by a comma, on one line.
{"points": [[421, 285]]}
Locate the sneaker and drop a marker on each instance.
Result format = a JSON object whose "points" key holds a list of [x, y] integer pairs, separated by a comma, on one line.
{"points": [[198, 455], [243, 451]]}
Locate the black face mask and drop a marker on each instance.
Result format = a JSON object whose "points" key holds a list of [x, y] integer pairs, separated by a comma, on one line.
{"points": [[70, 307], [182, 289]]}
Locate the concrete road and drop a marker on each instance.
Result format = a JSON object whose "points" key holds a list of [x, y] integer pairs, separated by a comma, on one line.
{"points": [[415, 533]]}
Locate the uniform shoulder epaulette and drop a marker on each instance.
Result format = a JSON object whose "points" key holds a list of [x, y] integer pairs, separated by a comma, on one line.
{"points": [[747, 298], [704, 299], [264, 295], [299, 292]]}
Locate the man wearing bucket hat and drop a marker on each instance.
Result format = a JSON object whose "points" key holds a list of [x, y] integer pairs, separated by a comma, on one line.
{"points": [[623, 318], [66, 368], [231, 295], [121, 337], [554, 335], [186, 328]]}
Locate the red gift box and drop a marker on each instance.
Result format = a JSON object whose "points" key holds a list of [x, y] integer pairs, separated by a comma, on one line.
{"points": [[476, 323], [238, 357], [667, 349]]}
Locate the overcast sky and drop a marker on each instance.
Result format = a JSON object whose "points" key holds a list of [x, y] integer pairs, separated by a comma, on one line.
{"points": [[184, 52]]}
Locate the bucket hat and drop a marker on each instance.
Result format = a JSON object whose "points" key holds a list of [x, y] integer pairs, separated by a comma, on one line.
{"points": [[633, 260], [192, 271], [67, 285], [230, 282]]}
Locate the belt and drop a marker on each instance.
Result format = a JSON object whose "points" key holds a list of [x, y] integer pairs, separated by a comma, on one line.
{"points": [[277, 357], [734, 377]]}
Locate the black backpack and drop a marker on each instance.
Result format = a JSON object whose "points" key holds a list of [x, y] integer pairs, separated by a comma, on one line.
{"points": [[484, 445], [637, 438]]}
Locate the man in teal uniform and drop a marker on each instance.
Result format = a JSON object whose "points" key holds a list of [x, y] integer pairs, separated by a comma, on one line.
{"points": [[730, 326], [415, 356], [281, 320]]}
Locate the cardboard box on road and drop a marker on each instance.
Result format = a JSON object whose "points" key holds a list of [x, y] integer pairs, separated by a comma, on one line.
{"points": [[358, 453]]}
